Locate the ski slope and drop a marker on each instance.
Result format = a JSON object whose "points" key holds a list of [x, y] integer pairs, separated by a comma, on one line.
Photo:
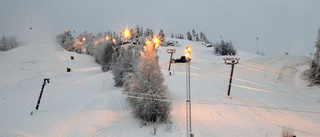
{"points": [[267, 95]]}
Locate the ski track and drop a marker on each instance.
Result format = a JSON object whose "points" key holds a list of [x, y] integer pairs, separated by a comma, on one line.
{"points": [[104, 131], [66, 127]]}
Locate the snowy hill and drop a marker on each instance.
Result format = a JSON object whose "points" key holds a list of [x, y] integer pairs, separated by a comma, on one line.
{"points": [[267, 95]]}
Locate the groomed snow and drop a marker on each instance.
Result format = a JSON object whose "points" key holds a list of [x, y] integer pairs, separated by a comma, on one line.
{"points": [[267, 95]]}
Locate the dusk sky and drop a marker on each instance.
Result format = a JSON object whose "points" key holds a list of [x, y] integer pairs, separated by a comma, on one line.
{"points": [[282, 26]]}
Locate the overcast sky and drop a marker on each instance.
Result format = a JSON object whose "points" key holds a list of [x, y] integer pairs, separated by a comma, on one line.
{"points": [[281, 25]]}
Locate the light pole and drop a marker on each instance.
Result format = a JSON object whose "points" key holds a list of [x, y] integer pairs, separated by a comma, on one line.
{"points": [[188, 100], [232, 62], [258, 46]]}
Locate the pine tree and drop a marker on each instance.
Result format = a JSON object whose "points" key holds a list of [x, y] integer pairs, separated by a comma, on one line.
{"points": [[205, 38], [137, 31], [151, 96], [193, 34], [197, 38], [189, 36], [147, 33], [151, 34], [141, 32], [201, 37], [172, 36], [161, 36], [313, 74]]}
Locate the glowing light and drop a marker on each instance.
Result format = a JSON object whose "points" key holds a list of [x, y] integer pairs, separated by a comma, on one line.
{"points": [[83, 39], [188, 52], [66, 30], [156, 40], [188, 55], [126, 33], [107, 38], [188, 48], [114, 41], [156, 45]]}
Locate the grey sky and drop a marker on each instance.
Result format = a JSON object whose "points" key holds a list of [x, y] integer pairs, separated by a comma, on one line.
{"points": [[282, 26]]}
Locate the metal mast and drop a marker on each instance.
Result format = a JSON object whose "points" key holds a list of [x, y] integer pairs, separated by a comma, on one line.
{"points": [[188, 100]]}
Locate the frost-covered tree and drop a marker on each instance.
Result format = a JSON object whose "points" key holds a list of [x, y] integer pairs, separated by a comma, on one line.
{"points": [[194, 34], [151, 34], [201, 36], [127, 59], [65, 39], [150, 100], [172, 36], [313, 74], [161, 36], [189, 36], [107, 56], [78, 46], [137, 31], [197, 38], [225, 48], [7, 43], [99, 51], [147, 33]]}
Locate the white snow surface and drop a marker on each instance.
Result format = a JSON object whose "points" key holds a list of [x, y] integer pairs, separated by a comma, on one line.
{"points": [[267, 95]]}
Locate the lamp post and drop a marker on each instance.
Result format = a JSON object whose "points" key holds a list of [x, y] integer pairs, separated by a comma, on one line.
{"points": [[258, 46], [188, 100]]}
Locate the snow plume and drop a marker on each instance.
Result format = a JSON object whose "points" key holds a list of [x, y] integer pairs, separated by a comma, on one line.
{"points": [[148, 95]]}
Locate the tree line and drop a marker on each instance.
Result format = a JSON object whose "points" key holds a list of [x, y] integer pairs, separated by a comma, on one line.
{"points": [[133, 61]]}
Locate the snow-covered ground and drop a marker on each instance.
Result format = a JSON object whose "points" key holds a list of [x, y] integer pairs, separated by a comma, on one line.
{"points": [[267, 95]]}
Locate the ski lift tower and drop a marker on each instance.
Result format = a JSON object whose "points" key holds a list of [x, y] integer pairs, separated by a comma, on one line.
{"points": [[231, 61], [171, 51]]}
